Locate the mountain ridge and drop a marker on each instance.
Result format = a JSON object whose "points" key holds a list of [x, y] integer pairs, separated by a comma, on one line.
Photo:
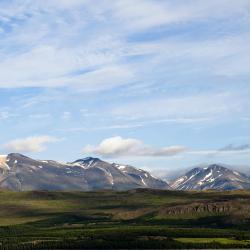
{"points": [[19, 172], [213, 176]]}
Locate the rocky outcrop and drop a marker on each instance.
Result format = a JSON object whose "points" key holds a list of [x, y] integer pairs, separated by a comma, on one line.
{"points": [[197, 208]]}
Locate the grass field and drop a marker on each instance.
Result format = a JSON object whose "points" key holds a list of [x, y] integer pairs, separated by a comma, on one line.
{"points": [[225, 241], [149, 219]]}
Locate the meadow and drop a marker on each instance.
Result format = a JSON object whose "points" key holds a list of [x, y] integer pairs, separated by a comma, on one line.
{"points": [[136, 219]]}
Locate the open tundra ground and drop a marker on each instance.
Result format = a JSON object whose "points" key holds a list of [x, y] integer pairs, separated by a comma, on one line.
{"points": [[139, 218]]}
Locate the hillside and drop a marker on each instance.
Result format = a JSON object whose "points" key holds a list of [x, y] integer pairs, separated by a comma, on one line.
{"points": [[21, 173], [214, 176], [125, 219]]}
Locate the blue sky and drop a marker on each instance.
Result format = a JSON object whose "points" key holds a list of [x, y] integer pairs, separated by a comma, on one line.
{"points": [[160, 84]]}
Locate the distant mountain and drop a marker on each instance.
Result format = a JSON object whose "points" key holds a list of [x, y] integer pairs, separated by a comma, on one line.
{"points": [[214, 176], [19, 172]]}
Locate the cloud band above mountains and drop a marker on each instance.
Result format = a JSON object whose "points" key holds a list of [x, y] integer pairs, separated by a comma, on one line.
{"points": [[118, 146], [232, 147], [29, 144]]}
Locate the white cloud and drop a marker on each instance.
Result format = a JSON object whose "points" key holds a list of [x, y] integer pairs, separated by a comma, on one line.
{"points": [[50, 67], [40, 116], [29, 144], [118, 146], [143, 14], [59, 53], [104, 78], [185, 109], [4, 115], [63, 42], [66, 115], [97, 128]]}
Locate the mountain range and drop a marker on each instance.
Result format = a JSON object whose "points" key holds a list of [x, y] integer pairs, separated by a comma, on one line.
{"points": [[19, 172]]}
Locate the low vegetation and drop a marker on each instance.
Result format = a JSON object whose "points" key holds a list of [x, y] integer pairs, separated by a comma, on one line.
{"points": [[148, 219]]}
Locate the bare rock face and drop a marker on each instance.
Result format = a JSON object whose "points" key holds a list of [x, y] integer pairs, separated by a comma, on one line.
{"points": [[214, 176], [199, 208], [18, 172]]}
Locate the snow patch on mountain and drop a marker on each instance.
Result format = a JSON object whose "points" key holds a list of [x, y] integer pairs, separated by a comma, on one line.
{"points": [[3, 162], [214, 176]]}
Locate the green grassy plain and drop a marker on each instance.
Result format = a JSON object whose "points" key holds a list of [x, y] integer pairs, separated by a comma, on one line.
{"points": [[136, 219]]}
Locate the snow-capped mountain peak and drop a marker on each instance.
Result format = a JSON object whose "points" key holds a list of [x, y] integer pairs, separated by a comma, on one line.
{"points": [[143, 177], [18, 172], [214, 176], [86, 162]]}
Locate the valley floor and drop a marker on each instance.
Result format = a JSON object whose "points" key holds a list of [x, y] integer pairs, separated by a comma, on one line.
{"points": [[136, 219]]}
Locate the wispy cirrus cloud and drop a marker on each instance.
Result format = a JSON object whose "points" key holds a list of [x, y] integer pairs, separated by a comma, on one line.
{"points": [[60, 54], [185, 109], [4, 115], [146, 67]]}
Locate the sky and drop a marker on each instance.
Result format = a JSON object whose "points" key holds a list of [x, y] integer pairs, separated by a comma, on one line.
{"points": [[159, 84]]}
